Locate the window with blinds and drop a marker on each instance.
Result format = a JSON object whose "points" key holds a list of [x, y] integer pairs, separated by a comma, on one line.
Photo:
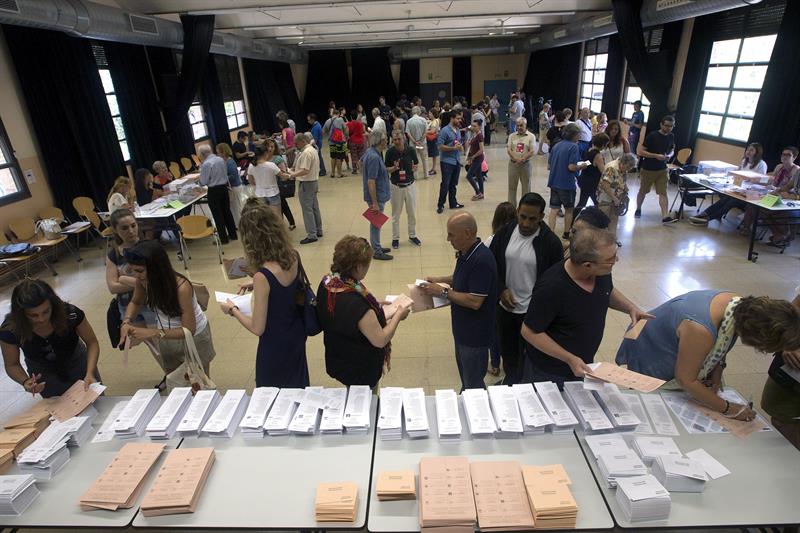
{"points": [[111, 99]]}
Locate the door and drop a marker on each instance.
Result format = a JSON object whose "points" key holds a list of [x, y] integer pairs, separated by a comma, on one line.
{"points": [[503, 89], [434, 91]]}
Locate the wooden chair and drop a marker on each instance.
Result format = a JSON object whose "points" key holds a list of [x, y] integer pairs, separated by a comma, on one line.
{"points": [[57, 214], [13, 264], [84, 206], [196, 160], [187, 164], [52, 212], [175, 169], [194, 227], [24, 230]]}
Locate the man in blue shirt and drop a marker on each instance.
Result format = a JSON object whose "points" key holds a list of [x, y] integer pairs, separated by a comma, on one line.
{"points": [[473, 297], [635, 125], [316, 132], [565, 163], [449, 144], [376, 189], [214, 175]]}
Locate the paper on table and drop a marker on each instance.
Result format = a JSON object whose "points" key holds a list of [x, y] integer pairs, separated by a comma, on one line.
{"points": [[636, 330], [627, 378], [713, 468], [120, 483], [445, 492], [105, 433], [500, 497], [738, 428], [75, 400], [395, 303], [242, 301], [376, 218], [635, 405], [179, 482], [659, 414], [447, 419], [548, 474], [400, 485]]}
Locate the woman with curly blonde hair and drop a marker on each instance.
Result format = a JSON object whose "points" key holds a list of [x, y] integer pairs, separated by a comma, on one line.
{"points": [[276, 319]]}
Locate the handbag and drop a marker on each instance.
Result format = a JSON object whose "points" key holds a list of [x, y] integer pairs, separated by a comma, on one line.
{"points": [[287, 188], [49, 227], [190, 373], [307, 300], [624, 201], [113, 322], [431, 135]]}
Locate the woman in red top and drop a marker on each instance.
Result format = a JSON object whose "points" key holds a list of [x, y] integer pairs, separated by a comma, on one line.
{"points": [[356, 142]]}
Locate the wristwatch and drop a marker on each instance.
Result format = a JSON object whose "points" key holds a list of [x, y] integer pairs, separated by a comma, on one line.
{"points": [[161, 333], [445, 292]]}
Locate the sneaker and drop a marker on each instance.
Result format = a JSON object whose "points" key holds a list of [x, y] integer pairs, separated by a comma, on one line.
{"points": [[560, 213], [415, 241], [395, 244], [308, 240], [319, 235], [323, 173], [457, 206], [382, 257], [385, 250], [637, 213], [439, 210], [698, 221], [669, 219], [477, 197]]}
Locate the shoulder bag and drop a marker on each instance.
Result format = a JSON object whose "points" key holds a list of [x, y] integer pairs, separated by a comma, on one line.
{"points": [[306, 299], [190, 373]]}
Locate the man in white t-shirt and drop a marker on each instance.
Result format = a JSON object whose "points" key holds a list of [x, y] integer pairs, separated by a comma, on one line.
{"points": [[379, 124], [520, 148], [415, 131], [584, 122]]}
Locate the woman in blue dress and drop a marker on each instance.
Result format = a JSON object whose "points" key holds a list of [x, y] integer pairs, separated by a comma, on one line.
{"points": [[276, 318]]}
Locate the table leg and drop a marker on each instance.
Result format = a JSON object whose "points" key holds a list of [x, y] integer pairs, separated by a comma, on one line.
{"points": [[751, 255], [681, 192]]}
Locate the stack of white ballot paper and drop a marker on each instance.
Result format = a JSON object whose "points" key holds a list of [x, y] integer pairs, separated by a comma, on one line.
{"points": [[390, 419], [585, 406], [415, 414], [17, 494], [306, 418], [534, 416], [79, 429], [649, 448], [133, 420], [282, 412], [165, 422], [616, 407], [679, 474], [252, 424], [615, 465], [563, 419], [227, 415], [479, 415], [643, 498], [356, 412], [200, 410], [333, 413], [506, 412], [47, 454], [448, 422], [603, 443]]}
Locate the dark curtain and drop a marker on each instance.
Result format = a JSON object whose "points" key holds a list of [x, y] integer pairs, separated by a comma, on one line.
{"points": [[327, 80], [214, 104], [67, 105], [690, 99], [372, 77], [162, 63], [553, 75], [288, 90], [776, 123], [263, 93], [615, 78], [409, 78], [462, 77]]}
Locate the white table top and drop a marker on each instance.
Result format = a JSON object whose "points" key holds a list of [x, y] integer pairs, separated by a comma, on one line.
{"points": [[714, 163], [156, 209], [761, 489], [703, 180], [271, 483], [396, 516]]}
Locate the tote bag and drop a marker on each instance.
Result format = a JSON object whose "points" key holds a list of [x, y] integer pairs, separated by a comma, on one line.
{"points": [[190, 373]]}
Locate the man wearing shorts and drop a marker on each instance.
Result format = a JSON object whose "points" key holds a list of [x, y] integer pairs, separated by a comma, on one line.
{"points": [[656, 150], [565, 163]]}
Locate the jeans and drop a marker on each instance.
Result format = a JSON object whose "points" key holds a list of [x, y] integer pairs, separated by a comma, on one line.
{"points": [[472, 362], [322, 171], [720, 208], [375, 234], [449, 184], [219, 203], [404, 196], [508, 329], [312, 219], [475, 177]]}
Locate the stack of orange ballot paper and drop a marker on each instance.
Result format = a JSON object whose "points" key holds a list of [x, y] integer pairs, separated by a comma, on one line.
{"points": [[500, 496], [336, 502], [445, 493], [400, 485], [550, 497], [179, 482], [121, 482]]}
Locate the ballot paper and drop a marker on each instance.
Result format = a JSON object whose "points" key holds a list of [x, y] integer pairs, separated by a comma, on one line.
{"points": [[534, 416], [120, 483], [547, 475], [336, 502], [616, 407], [659, 415], [699, 419], [550, 497], [399, 485], [478, 413], [445, 492], [415, 414], [17, 493], [713, 468], [75, 400], [203, 405], [106, 433], [623, 377], [563, 418], [17, 439], [586, 408], [636, 406], [679, 474], [133, 420], [501, 500], [448, 422], [179, 482], [390, 419], [79, 429], [6, 460], [243, 301], [333, 412], [226, 417], [649, 448], [165, 422], [46, 469], [395, 302], [423, 302], [356, 411], [506, 413], [643, 498], [283, 409], [252, 424], [614, 465], [612, 442], [307, 415], [36, 417], [51, 441]]}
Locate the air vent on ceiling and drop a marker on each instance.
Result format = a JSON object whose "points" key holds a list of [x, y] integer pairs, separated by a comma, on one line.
{"points": [[9, 5], [141, 24], [218, 39], [558, 34], [282, 52], [258, 47]]}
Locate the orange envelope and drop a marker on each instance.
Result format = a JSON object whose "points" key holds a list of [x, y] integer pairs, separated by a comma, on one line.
{"points": [[623, 377]]}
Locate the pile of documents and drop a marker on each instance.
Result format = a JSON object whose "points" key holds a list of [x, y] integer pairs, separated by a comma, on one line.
{"points": [[203, 405], [679, 474], [356, 412], [306, 418], [282, 412], [603, 443], [336, 502], [479, 415], [501, 500], [445, 492], [47, 454], [6, 459], [616, 407], [165, 422], [390, 419], [396, 486], [104, 432], [615, 465], [643, 498], [75, 400], [226, 417], [17, 494], [534, 416], [448, 421], [611, 373], [133, 419], [504, 407], [17, 439], [550, 497], [121, 482], [585, 406], [415, 414], [333, 413], [179, 482], [252, 424], [79, 429], [649, 448], [563, 418], [37, 417]]}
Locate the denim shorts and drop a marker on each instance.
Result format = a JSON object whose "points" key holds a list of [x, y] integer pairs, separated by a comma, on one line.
{"points": [[559, 197], [273, 200]]}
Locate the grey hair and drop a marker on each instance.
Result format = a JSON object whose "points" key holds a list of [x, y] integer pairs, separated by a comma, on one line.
{"points": [[416, 110], [376, 137], [523, 120], [628, 160], [204, 150], [585, 243], [301, 137], [159, 165], [571, 132], [376, 111]]}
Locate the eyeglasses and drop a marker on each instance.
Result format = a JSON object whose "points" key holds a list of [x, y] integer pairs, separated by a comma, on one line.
{"points": [[612, 262]]}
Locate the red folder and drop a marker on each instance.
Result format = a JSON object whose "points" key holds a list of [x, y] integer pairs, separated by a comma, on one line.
{"points": [[376, 218]]}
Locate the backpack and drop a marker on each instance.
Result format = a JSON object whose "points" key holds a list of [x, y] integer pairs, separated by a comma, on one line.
{"points": [[337, 135]]}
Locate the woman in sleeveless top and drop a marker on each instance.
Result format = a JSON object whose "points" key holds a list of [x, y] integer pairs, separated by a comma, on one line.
{"points": [[617, 144], [276, 319], [589, 178], [687, 341]]}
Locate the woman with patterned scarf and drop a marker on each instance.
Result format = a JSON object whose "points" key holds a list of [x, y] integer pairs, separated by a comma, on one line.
{"points": [[687, 341], [356, 332]]}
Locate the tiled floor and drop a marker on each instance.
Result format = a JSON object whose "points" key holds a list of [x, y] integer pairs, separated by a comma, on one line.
{"points": [[656, 263]]}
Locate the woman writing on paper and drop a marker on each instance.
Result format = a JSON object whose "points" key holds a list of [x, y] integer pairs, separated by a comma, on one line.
{"points": [[276, 318], [59, 344], [688, 340]]}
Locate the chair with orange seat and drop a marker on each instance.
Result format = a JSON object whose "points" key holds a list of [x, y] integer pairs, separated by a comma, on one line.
{"points": [[84, 206], [195, 227], [196, 160], [24, 230], [14, 263], [187, 164], [72, 229], [175, 169]]}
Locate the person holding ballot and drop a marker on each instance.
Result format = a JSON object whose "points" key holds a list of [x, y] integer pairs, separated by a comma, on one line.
{"points": [[685, 341]]}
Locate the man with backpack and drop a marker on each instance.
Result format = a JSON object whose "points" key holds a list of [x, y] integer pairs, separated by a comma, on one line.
{"points": [[336, 130]]}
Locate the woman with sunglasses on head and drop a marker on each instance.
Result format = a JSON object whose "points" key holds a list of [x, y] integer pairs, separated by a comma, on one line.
{"points": [[59, 344]]}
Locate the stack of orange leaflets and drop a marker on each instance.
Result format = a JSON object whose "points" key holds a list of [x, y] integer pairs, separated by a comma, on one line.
{"points": [[550, 497], [611, 373], [445, 493], [179, 482], [17, 439], [336, 502], [37, 417], [6, 458], [500, 496], [120, 483], [400, 485], [75, 400]]}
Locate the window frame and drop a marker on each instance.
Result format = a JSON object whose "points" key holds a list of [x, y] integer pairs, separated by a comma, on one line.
{"points": [[236, 114], [592, 49], [204, 121], [113, 93], [652, 43], [12, 164]]}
